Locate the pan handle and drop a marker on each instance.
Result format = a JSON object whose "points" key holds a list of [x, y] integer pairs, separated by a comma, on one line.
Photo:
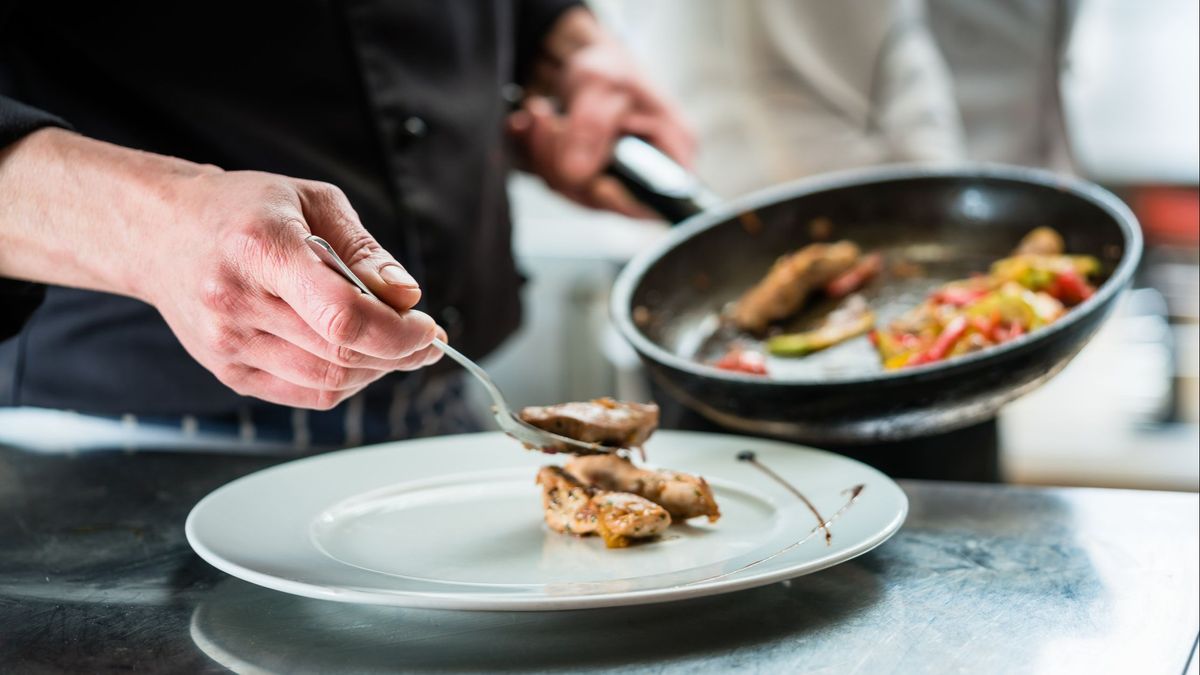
{"points": [[658, 181]]}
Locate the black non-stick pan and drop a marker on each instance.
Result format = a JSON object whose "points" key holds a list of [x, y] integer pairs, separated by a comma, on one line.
{"points": [[944, 223]]}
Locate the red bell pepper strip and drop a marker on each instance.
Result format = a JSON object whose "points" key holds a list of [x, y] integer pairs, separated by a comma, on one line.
{"points": [[941, 346], [1070, 288], [743, 361], [959, 296], [985, 325], [1013, 331], [856, 277]]}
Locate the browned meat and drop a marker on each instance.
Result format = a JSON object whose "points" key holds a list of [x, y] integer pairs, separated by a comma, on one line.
{"points": [[682, 495], [789, 283], [626, 517], [1041, 241], [567, 502], [603, 420], [619, 518]]}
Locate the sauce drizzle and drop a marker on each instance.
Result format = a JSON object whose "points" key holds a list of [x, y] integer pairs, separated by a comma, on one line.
{"points": [[749, 456], [823, 524]]}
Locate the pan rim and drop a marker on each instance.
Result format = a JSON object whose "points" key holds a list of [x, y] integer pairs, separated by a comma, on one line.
{"points": [[624, 285]]}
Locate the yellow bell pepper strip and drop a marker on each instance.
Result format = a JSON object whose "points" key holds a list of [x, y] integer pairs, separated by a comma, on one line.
{"points": [[944, 342], [1004, 306], [1023, 292], [1039, 272], [891, 351]]}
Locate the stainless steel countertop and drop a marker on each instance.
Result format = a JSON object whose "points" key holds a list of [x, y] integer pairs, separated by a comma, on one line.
{"points": [[95, 576]]}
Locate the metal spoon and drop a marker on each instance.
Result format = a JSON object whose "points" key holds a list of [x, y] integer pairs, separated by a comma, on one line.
{"points": [[509, 423]]}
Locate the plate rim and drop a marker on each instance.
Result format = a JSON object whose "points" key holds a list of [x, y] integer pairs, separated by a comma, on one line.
{"points": [[482, 602]]}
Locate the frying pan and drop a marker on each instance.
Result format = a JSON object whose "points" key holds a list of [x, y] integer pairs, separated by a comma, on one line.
{"points": [[945, 222]]}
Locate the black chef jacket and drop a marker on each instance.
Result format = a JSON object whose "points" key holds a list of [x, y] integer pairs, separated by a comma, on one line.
{"points": [[397, 102]]}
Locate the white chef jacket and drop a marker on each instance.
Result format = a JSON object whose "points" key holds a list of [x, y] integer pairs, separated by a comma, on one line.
{"points": [[780, 89]]}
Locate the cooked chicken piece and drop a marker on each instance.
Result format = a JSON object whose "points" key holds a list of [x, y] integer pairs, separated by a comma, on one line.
{"points": [[603, 420], [789, 283], [575, 508], [567, 502], [625, 517], [682, 495], [1041, 241]]}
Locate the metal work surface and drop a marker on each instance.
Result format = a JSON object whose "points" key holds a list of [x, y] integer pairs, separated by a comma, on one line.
{"points": [[95, 576]]}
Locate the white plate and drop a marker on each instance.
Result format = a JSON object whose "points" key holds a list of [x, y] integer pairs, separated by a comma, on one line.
{"points": [[455, 523]]}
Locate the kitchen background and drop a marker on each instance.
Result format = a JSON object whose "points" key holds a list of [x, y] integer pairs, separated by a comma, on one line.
{"points": [[1105, 89]]}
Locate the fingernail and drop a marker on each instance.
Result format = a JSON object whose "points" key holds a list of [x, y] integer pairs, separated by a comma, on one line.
{"points": [[396, 275]]}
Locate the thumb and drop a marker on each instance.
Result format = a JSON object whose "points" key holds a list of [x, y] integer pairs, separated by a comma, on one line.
{"points": [[593, 121], [330, 216]]}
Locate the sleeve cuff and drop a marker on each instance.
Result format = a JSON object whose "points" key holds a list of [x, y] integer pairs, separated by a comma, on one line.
{"points": [[18, 120], [534, 21], [19, 300]]}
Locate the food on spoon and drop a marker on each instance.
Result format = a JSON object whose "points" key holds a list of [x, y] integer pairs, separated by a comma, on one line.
{"points": [[683, 495], [1022, 293], [789, 283], [851, 319], [571, 507], [741, 360], [605, 421]]}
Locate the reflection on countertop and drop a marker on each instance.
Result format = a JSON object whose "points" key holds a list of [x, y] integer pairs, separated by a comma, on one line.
{"points": [[96, 576], [1048, 571]]}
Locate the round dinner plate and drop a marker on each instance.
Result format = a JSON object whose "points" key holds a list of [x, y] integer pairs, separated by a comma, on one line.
{"points": [[456, 523]]}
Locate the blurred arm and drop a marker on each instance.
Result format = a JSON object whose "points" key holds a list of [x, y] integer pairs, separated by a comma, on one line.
{"points": [[19, 298], [603, 95]]}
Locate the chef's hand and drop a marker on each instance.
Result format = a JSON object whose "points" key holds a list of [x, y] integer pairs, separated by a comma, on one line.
{"points": [[255, 305], [604, 97], [222, 257]]}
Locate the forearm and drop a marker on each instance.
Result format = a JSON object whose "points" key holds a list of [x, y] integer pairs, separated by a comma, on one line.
{"points": [[222, 257], [79, 212]]}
